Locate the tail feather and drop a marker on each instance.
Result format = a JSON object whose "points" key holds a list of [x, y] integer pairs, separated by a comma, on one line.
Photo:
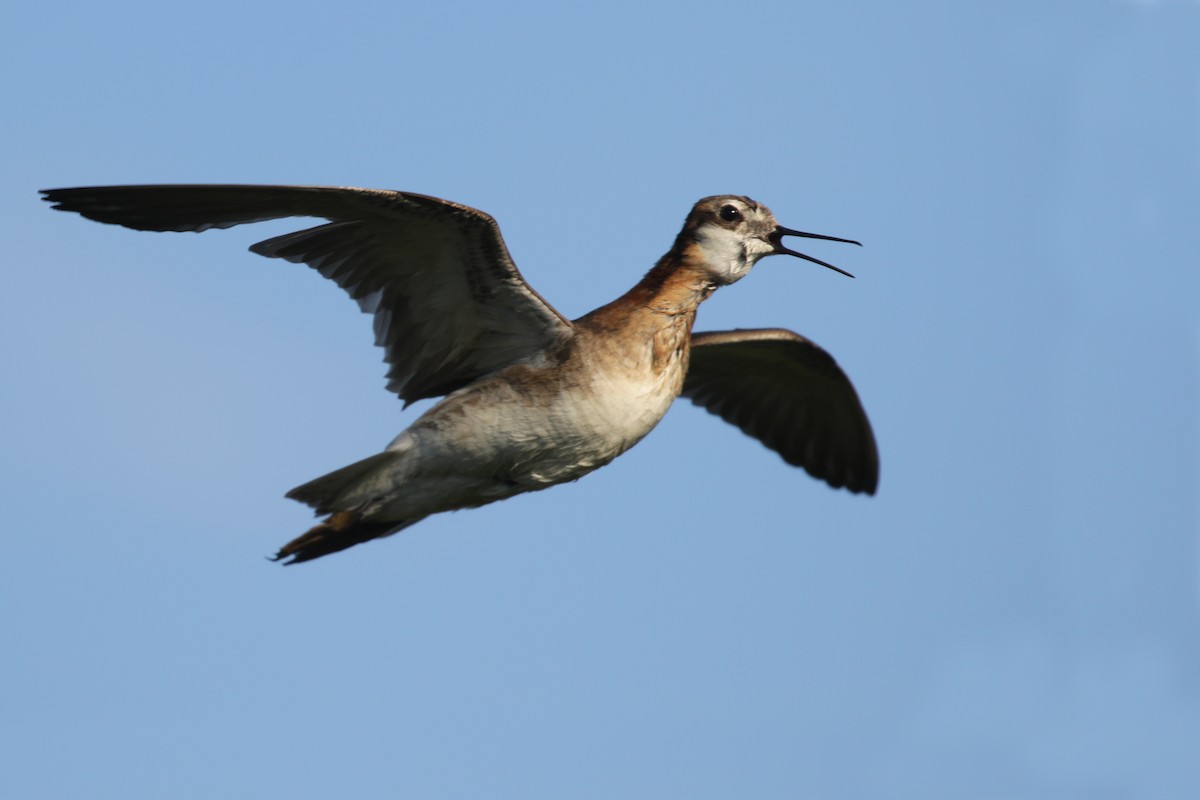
{"points": [[322, 494], [343, 529], [340, 496]]}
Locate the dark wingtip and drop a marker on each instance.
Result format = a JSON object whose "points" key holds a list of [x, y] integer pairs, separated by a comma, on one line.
{"points": [[52, 196]]}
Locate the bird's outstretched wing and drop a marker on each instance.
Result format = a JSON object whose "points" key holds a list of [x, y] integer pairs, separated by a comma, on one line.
{"points": [[792, 396], [448, 301]]}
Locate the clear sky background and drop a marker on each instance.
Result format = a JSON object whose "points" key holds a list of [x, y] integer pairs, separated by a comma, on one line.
{"points": [[1015, 615]]}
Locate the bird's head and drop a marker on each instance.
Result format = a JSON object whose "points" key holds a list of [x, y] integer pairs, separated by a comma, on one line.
{"points": [[727, 234]]}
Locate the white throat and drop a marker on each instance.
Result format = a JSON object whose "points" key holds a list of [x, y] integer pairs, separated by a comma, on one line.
{"points": [[729, 255]]}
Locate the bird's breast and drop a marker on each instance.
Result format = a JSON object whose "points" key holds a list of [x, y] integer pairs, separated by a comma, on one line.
{"points": [[544, 425]]}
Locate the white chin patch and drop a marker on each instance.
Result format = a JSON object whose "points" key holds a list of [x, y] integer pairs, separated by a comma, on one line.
{"points": [[757, 248], [736, 275], [725, 253]]}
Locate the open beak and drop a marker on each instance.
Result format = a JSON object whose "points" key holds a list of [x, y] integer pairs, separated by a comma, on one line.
{"points": [[776, 240]]}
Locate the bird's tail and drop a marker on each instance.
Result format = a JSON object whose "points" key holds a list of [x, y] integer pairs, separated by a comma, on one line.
{"points": [[343, 529], [330, 493], [341, 495]]}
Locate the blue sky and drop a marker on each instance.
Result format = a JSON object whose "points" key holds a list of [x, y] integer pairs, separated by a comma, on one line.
{"points": [[1015, 615]]}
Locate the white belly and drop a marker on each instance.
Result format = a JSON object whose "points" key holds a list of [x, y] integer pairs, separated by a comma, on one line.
{"points": [[531, 440], [588, 429]]}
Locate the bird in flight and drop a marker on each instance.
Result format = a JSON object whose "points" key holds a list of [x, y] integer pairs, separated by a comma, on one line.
{"points": [[529, 399]]}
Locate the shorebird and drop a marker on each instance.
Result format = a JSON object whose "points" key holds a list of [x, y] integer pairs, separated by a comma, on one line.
{"points": [[530, 399]]}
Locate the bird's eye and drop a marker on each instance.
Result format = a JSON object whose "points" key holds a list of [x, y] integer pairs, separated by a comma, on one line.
{"points": [[730, 213]]}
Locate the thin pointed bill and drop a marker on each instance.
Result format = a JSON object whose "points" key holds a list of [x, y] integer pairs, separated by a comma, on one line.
{"points": [[776, 239]]}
